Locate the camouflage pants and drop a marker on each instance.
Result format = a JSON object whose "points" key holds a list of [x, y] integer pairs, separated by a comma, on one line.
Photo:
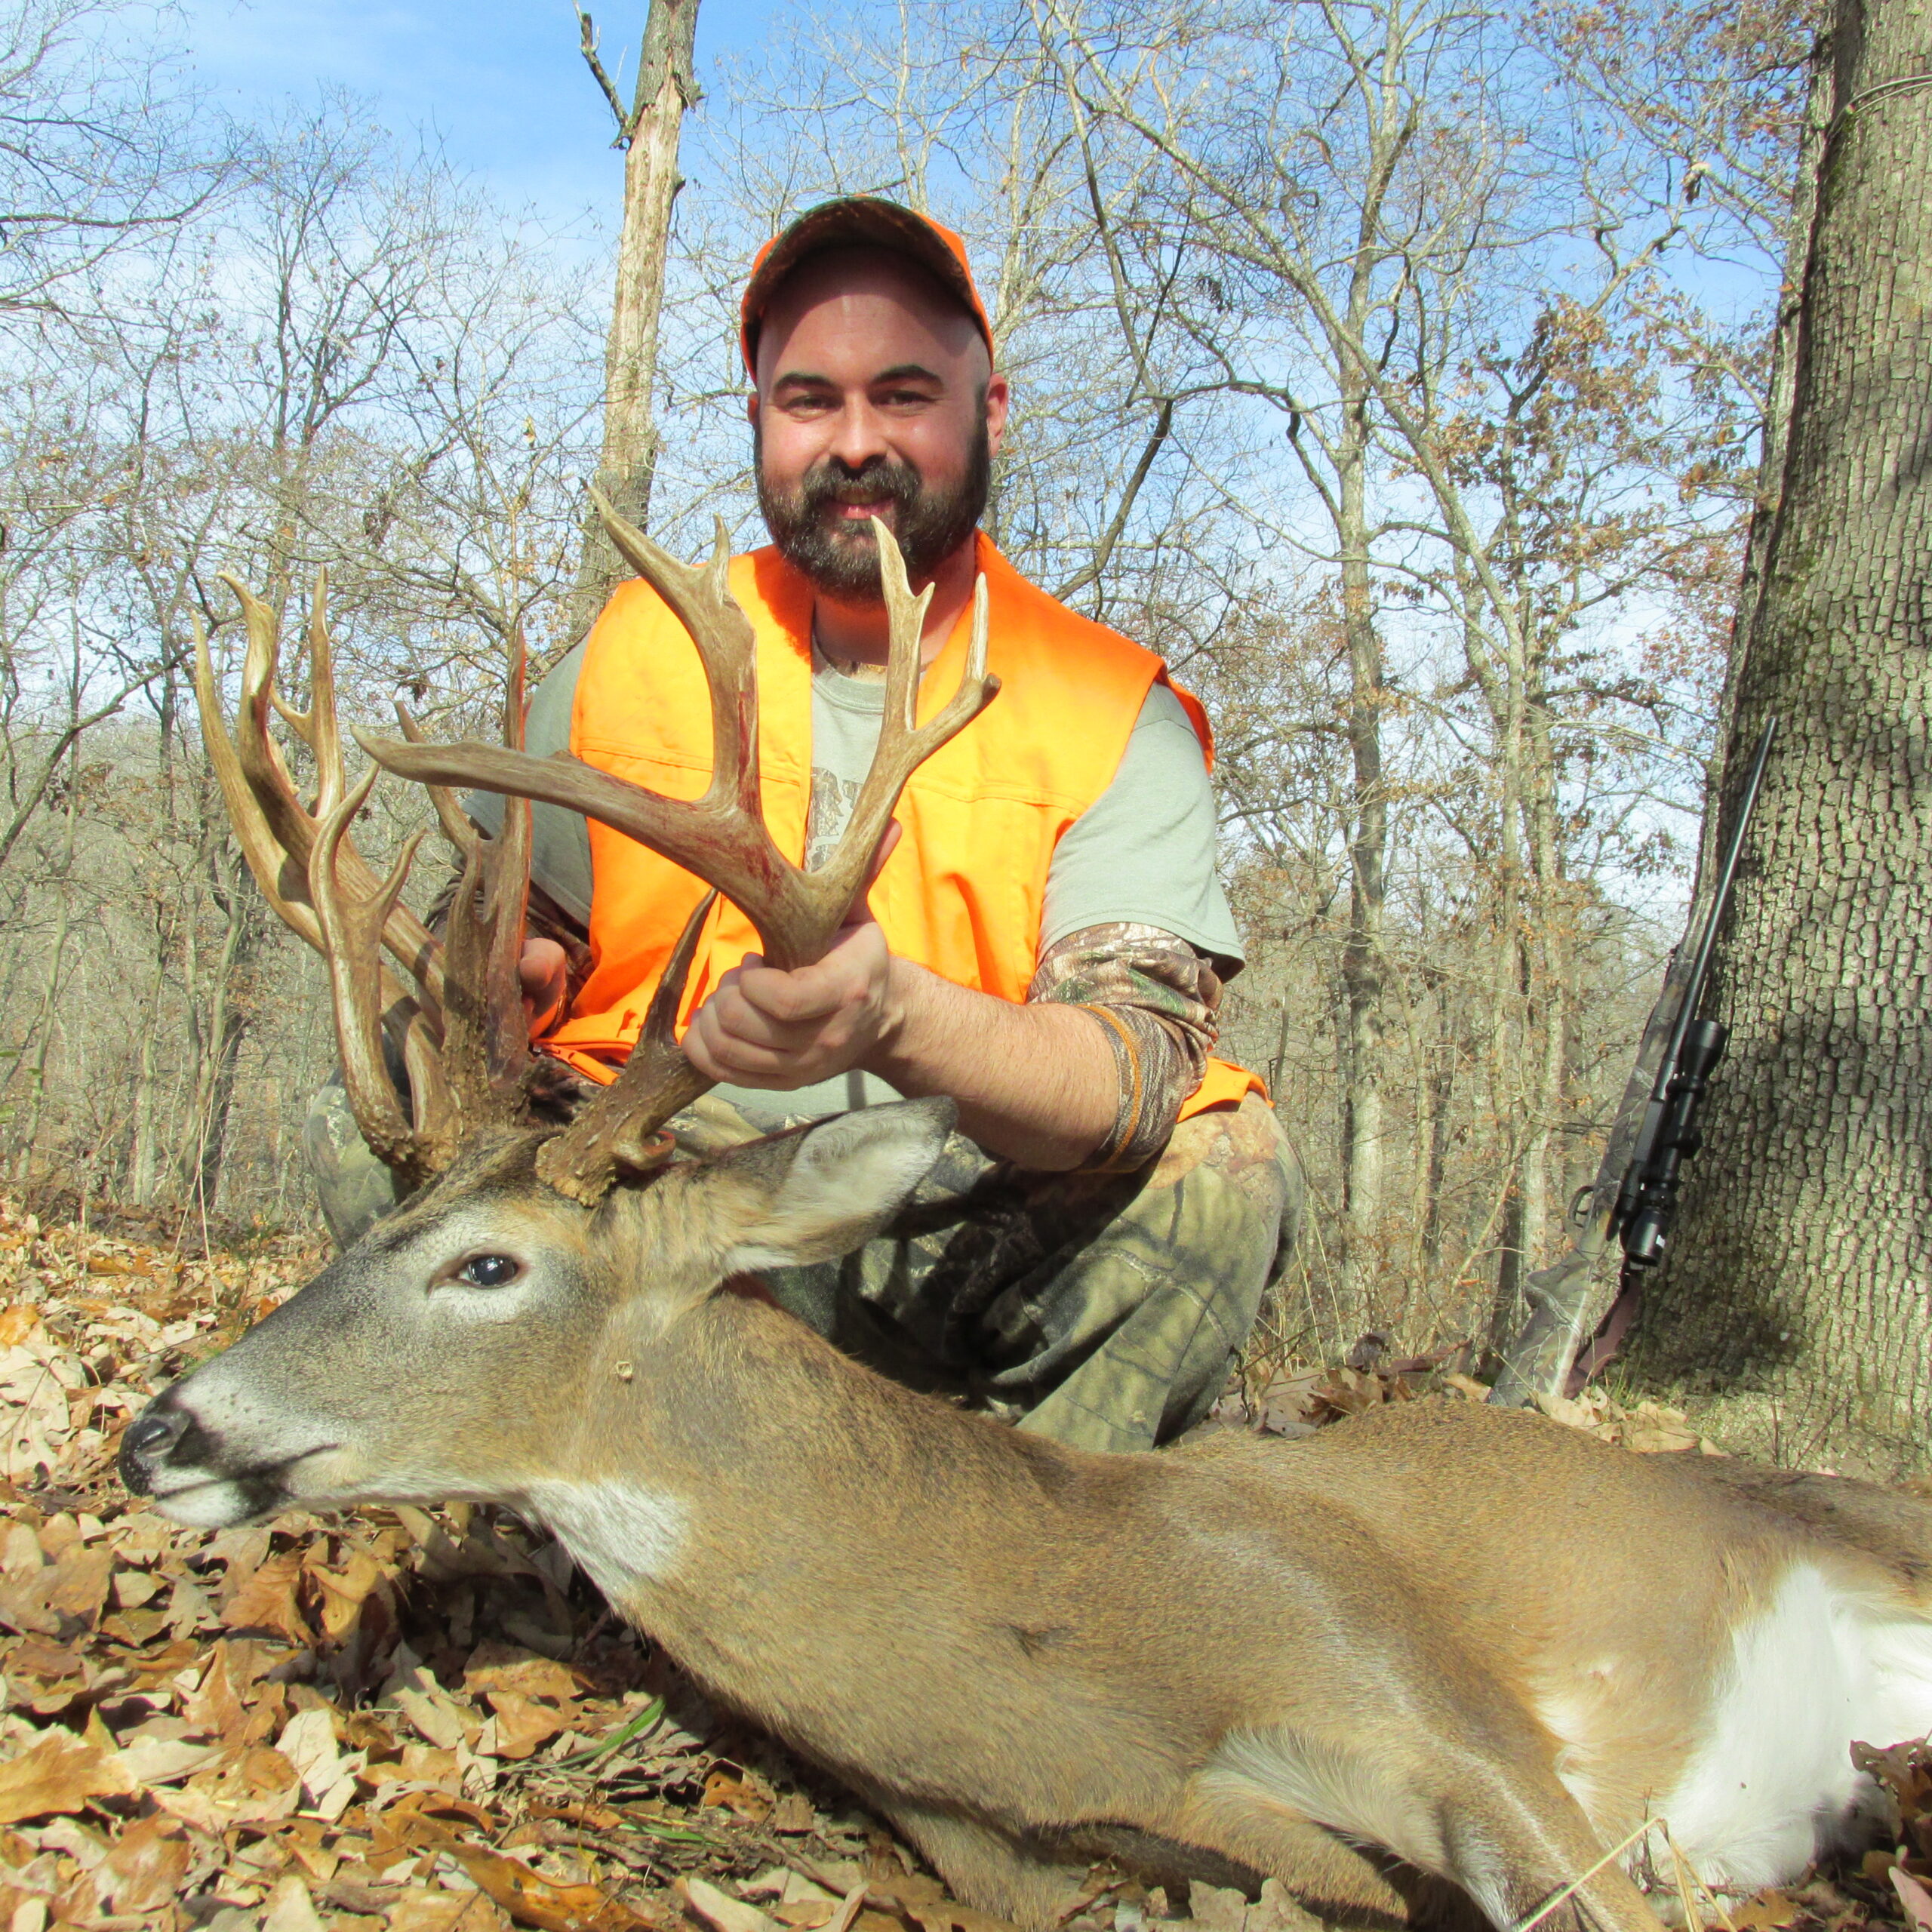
{"points": [[1104, 1309]]}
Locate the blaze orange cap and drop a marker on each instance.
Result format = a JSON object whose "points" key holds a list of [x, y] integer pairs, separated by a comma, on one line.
{"points": [[857, 221]]}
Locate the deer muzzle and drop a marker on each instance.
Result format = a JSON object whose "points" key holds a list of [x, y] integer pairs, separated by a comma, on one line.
{"points": [[196, 1476]]}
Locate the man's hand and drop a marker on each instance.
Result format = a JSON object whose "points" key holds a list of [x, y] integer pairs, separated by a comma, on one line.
{"points": [[763, 1027], [544, 968]]}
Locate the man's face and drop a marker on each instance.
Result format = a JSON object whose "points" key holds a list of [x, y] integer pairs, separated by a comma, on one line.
{"points": [[876, 398]]}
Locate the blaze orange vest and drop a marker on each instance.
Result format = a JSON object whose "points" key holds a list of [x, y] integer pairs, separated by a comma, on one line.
{"points": [[964, 893]]}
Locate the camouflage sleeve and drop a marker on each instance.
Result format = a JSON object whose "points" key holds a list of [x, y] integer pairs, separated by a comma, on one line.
{"points": [[1154, 998]]}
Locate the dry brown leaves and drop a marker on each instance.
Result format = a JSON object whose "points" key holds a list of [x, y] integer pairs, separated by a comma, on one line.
{"points": [[399, 1719], [1297, 1401]]}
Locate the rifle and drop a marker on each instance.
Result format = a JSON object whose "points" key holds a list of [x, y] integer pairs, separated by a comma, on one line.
{"points": [[1634, 1200]]}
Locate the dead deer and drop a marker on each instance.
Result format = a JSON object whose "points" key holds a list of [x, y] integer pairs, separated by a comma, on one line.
{"points": [[1434, 1643]]}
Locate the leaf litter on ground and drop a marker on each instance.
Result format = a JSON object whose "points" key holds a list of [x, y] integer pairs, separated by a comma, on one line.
{"points": [[425, 1720]]}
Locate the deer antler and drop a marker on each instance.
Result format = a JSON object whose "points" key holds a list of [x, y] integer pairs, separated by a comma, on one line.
{"points": [[721, 836], [458, 1022]]}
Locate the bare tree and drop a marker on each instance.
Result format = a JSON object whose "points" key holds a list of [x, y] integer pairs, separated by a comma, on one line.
{"points": [[648, 131]]}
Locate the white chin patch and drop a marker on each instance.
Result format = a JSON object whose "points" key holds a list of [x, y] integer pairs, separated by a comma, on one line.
{"points": [[208, 1506]]}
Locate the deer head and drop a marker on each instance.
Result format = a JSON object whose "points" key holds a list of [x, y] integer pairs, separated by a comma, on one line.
{"points": [[496, 1340], [512, 1269]]}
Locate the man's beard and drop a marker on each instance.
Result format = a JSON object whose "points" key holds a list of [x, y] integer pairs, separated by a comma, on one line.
{"points": [[839, 555]]}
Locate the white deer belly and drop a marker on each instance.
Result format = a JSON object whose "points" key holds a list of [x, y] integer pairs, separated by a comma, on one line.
{"points": [[1770, 1784]]}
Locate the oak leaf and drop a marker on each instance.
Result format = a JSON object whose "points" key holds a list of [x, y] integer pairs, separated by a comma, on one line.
{"points": [[60, 1774], [266, 1601], [523, 1726], [145, 1868]]}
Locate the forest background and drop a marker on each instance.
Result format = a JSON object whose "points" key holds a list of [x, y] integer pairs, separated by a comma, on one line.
{"points": [[1399, 370]]}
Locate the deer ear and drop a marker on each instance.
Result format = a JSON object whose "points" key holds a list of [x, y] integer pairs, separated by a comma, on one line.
{"points": [[831, 1189]]}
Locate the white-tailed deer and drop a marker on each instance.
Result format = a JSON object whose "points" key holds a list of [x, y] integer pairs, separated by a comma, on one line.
{"points": [[1435, 1643]]}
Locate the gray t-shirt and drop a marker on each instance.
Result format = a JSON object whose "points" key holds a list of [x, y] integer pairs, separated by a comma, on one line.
{"points": [[1141, 853]]}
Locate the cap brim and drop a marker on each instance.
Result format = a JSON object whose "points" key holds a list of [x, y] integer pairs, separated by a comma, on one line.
{"points": [[856, 222]]}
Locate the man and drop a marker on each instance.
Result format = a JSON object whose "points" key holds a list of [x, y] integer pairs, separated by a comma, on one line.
{"points": [[1045, 944]]}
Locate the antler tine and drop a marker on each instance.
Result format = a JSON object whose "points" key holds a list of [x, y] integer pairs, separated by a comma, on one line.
{"points": [[267, 858], [616, 1131], [317, 727], [291, 826], [701, 596], [904, 744], [486, 1033], [353, 918], [450, 814]]}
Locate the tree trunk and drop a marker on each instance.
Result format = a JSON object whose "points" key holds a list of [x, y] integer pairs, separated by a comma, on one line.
{"points": [[1774, 434], [1798, 1278], [1365, 1050], [649, 132], [228, 1015], [48, 1021]]}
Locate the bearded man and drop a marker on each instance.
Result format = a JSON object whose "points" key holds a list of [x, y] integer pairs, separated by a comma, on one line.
{"points": [[1045, 944]]}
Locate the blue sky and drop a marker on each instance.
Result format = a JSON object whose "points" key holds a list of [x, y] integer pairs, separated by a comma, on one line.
{"points": [[501, 82]]}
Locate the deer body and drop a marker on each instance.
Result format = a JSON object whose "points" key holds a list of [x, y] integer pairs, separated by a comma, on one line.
{"points": [[1475, 1641]]}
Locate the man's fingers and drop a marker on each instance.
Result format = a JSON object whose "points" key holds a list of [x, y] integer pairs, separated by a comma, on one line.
{"points": [[759, 1002], [719, 1054], [542, 972], [796, 998]]}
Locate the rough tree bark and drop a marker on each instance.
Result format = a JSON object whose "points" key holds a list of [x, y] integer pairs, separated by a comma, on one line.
{"points": [[1799, 1276], [648, 132]]}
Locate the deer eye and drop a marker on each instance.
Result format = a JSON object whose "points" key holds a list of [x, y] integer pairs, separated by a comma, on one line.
{"points": [[489, 1271]]}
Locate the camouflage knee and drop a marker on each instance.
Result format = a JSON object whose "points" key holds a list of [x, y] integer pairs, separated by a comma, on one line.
{"points": [[354, 1189], [1131, 1344]]}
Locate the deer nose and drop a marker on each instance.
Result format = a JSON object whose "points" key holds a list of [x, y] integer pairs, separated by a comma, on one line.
{"points": [[150, 1441]]}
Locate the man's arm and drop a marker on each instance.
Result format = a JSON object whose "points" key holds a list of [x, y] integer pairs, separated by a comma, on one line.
{"points": [[1090, 1072]]}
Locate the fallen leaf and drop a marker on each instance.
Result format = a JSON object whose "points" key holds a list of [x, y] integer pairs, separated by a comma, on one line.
{"points": [[308, 1742], [59, 1773], [164, 1760], [81, 1578], [748, 1797], [17, 1322], [493, 1667], [345, 1592], [289, 1908], [435, 1719], [1767, 1912], [266, 1601], [523, 1726], [144, 1870], [213, 1707], [793, 1813], [721, 1911]]}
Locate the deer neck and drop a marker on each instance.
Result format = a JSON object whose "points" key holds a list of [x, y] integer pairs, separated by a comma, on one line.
{"points": [[748, 1495]]}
